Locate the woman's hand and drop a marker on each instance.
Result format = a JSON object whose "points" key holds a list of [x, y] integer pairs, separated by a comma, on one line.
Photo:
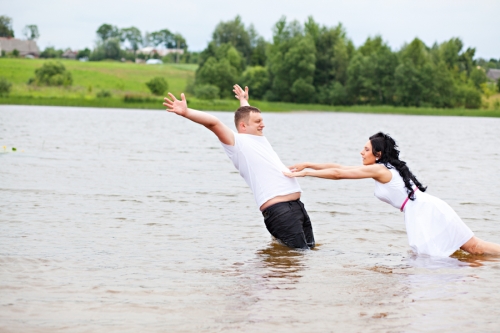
{"points": [[294, 174], [298, 167]]}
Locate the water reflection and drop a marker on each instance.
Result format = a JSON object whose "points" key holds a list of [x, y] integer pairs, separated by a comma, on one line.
{"points": [[456, 260], [282, 262]]}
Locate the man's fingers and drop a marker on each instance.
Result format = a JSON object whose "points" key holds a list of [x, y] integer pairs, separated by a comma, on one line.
{"points": [[183, 97], [246, 91]]}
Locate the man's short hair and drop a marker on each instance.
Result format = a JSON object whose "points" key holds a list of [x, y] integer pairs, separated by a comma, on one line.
{"points": [[243, 113]]}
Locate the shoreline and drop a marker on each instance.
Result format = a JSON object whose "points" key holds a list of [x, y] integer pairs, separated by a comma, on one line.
{"points": [[230, 106]]}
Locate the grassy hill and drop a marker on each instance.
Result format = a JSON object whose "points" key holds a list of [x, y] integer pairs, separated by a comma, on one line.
{"points": [[121, 79], [91, 77]]}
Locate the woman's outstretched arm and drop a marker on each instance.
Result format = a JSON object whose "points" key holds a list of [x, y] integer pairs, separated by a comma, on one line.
{"points": [[376, 171], [319, 166]]}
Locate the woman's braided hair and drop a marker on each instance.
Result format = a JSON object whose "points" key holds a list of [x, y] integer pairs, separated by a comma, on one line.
{"points": [[385, 149]]}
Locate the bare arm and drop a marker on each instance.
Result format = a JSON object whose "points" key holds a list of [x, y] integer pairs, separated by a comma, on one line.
{"points": [[376, 171], [319, 166], [241, 95], [180, 108]]}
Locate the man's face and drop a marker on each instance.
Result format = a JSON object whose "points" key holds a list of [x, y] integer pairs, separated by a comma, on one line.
{"points": [[254, 125]]}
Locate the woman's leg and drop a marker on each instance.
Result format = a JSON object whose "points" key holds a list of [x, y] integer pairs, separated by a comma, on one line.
{"points": [[479, 246]]}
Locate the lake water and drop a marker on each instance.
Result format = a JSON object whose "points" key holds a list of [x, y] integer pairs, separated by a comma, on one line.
{"points": [[136, 221]]}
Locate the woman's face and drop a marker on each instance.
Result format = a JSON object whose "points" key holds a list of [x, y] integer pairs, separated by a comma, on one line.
{"points": [[367, 154]]}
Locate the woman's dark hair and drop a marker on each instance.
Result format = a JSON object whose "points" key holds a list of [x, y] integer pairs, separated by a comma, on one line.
{"points": [[385, 149]]}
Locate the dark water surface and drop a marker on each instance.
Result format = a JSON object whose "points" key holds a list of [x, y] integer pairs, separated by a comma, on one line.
{"points": [[136, 221]]}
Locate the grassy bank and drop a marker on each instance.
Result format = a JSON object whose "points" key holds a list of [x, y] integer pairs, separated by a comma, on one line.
{"points": [[121, 79], [227, 105]]}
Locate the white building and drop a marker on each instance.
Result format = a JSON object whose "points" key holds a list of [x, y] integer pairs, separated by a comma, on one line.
{"points": [[161, 52], [25, 47]]}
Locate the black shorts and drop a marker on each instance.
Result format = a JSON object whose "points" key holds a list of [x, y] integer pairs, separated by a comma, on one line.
{"points": [[288, 221]]}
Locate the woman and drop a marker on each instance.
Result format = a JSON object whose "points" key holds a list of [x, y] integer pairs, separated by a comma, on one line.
{"points": [[432, 226]]}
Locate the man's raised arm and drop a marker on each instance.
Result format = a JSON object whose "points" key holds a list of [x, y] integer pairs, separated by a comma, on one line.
{"points": [[241, 95], [180, 108]]}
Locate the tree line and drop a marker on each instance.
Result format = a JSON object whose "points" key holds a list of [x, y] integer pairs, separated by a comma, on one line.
{"points": [[115, 43], [313, 63]]}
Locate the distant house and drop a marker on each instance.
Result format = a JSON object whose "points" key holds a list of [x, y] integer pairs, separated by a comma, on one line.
{"points": [[68, 54], [161, 52], [25, 47], [493, 74]]}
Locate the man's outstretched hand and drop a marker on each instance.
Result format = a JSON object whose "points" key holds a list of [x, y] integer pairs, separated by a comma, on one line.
{"points": [[241, 95], [176, 106]]}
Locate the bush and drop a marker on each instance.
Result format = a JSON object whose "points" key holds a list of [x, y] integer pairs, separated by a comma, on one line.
{"points": [[469, 97], [4, 86], [103, 94], [132, 98], [206, 91], [53, 74], [496, 104], [157, 85]]}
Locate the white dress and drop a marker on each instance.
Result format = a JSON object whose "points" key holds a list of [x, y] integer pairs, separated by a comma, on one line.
{"points": [[432, 226]]}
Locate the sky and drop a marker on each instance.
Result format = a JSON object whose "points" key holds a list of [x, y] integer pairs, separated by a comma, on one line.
{"points": [[72, 23]]}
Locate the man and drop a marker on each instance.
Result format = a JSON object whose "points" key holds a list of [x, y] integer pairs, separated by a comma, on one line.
{"points": [[277, 196]]}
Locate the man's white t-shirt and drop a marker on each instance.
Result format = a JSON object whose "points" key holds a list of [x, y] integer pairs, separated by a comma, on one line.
{"points": [[261, 167]]}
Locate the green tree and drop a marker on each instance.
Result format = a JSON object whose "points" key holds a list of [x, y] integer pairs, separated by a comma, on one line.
{"points": [[109, 49], [53, 74], [291, 61], [449, 52], [85, 53], [6, 27], [332, 55], [234, 33], [219, 73], [371, 73], [257, 78], [220, 66], [51, 52], [31, 32], [163, 37], [414, 77], [133, 36], [107, 31], [478, 77], [258, 57], [443, 94]]}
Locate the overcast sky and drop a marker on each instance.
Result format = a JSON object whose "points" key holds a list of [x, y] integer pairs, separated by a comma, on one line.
{"points": [[72, 23]]}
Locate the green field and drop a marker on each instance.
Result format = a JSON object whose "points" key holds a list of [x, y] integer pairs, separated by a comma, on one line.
{"points": [[89, 78]]}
